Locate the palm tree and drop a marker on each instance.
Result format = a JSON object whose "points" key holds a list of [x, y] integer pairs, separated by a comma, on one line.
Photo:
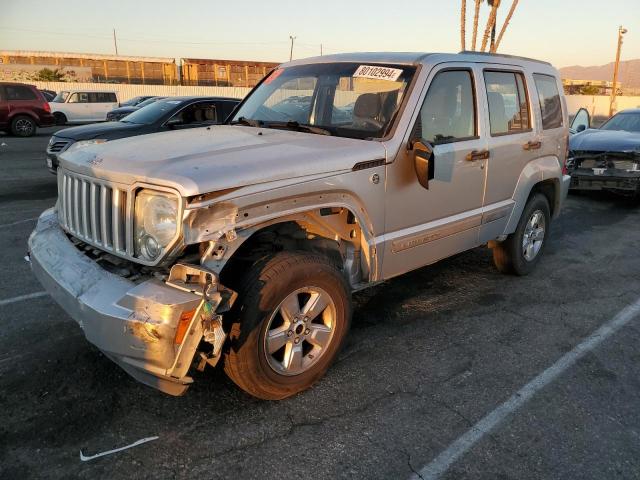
{"points": [[463, 21], [475, 24], [490, 24], [504, 25]]}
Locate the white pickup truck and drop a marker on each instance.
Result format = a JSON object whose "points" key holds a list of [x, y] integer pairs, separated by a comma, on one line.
{"points": [[78, 106]]}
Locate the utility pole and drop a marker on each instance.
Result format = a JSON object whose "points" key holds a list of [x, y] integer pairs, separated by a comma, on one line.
{"points": [[115, 41], [612, 104], [291, 52], [320, 49]]}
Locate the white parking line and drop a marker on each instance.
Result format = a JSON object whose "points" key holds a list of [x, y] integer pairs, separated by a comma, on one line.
{"points": [[20, 298], [444, 460], [18, 222]]}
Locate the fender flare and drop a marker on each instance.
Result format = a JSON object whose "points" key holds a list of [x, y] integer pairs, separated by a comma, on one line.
{"points": [[542, 169], [25, 113]]}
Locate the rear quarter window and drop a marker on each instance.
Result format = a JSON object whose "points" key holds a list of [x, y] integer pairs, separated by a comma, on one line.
{"points": [[16, 92], [550, 104]]}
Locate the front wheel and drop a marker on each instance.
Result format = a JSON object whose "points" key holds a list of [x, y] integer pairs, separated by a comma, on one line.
{"points": [[295, 313], [521, 251]]}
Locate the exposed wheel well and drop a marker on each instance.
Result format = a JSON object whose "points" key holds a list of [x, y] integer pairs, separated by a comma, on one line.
{"points": [[550, 189], [331, 232]]}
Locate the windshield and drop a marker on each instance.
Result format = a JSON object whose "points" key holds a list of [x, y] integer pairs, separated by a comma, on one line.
{"points": [[344, 99], [152, 112], [61, 97], [149, 101], [629, 122], [132, 102]]}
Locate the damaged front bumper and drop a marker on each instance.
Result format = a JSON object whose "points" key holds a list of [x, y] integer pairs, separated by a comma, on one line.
{"points": [[134, 324], [614, 180], [612, 171]]}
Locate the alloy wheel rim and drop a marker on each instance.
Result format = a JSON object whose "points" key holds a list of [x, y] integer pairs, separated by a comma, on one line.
{"points": [[24, 126], [300, 331], [533, 237]]}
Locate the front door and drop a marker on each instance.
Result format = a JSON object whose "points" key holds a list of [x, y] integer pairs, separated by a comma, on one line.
{"points": [[425, 225], [77, 107]]}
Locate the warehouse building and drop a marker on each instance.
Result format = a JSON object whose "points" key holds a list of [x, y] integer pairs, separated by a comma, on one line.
{"points": [[222, 73], [92, 67]]}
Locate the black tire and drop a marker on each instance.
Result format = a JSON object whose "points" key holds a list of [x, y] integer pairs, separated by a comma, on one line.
{"points": [[263, 289], [509, 256], [60, 118], [23, 126]]}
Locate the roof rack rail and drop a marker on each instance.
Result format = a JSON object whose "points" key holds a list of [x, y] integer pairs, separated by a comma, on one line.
{"points": [[489, 54]]}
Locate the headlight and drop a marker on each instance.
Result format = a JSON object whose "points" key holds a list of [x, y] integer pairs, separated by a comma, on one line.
{"points": [[86, 143], [156, 223]]}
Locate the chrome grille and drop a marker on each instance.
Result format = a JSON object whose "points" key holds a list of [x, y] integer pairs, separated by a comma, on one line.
{"points": [[58, 146], [96, 212]]}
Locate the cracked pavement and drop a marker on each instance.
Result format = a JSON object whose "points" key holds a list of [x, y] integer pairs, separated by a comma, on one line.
{"points": [[429, 354]]}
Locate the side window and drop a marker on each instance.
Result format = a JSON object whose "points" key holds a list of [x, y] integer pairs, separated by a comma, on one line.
{"points": [[508, 103], [15, 92], [111, 97], [79, 98], [204, 112], [550, 104], [94, 97], [448, 113], [227, 108]]}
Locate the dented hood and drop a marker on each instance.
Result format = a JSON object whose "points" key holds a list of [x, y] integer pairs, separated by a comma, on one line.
{"points": [[203, 160]]}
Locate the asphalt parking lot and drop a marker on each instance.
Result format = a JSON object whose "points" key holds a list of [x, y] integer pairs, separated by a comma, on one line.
{"points": [[429, 356]]}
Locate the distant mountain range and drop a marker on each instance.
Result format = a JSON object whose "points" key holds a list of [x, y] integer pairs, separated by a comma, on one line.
{"points": [[629, 74]]}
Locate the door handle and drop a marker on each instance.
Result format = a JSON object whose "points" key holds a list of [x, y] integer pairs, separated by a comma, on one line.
{"points": [[478, 155], [532, 145]]}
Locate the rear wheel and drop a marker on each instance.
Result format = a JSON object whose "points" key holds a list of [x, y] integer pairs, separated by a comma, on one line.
{"points": [[23, 126], [521, 251], [294, 315], [60, 118]]}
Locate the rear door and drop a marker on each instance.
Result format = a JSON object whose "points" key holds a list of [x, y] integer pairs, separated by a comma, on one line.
{"points": [[513, 140], [4, 108], [100, 103]]}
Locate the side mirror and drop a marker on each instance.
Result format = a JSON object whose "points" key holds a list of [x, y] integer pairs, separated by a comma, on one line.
{"points": [[422, 153], [581, 128], [174, 122]]}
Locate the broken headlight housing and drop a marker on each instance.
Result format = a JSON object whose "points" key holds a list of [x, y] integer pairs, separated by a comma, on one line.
{"points": [[156, 223]]}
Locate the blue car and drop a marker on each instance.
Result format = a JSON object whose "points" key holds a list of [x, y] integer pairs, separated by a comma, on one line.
{"points": [[606, 158]]}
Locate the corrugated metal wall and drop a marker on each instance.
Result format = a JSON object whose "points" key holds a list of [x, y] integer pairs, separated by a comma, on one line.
{"points": [[129, 91]]}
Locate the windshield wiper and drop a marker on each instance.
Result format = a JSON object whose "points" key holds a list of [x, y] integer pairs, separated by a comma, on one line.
{"points": [[293, 125], [248, 121]]}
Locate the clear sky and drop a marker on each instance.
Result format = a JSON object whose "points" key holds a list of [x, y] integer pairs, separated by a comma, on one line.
{"points": [[565, 32]]}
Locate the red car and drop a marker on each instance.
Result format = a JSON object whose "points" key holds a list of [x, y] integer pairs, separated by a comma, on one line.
{"points": [[23, 108]]}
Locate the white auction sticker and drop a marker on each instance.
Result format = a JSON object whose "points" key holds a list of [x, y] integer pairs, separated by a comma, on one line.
{"points": [[380, 73]]}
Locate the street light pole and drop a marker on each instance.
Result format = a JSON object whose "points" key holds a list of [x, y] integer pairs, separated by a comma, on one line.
{"points": [[612, 104], [291, 52]]}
